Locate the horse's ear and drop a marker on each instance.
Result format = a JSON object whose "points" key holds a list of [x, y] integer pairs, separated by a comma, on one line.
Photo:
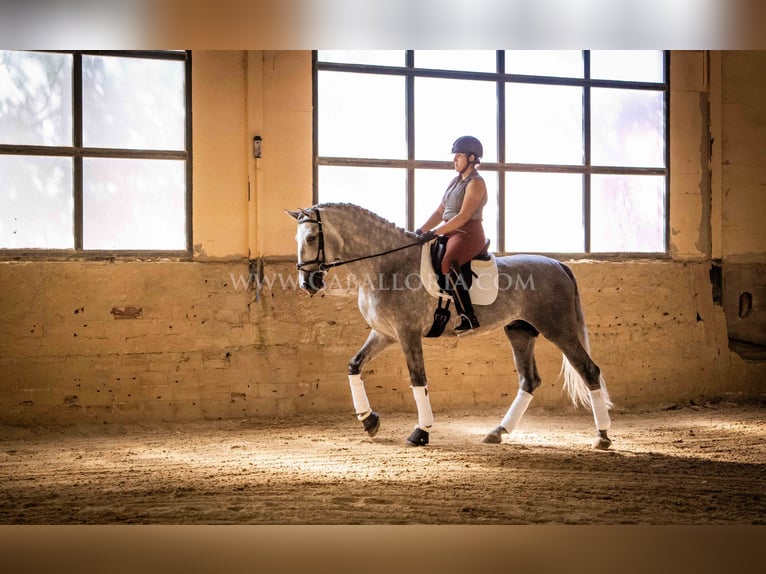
{"points": [[294, 214], [306, 213]]}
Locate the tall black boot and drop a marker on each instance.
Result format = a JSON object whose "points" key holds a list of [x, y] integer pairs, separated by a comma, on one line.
{"points": [[459, 292]]}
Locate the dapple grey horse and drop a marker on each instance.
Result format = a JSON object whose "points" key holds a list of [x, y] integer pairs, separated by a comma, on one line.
{"points": [[383, 256]]}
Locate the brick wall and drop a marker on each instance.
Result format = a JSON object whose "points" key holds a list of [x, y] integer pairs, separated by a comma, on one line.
{"points": [[152, 341]]}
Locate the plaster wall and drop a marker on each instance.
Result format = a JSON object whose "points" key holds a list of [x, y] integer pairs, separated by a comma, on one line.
{"points": [[742, 110], [743, 169], [200, 343]]}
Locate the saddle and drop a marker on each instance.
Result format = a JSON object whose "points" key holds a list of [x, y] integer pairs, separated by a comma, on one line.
{"points": [[439, 246], [483, 267]]}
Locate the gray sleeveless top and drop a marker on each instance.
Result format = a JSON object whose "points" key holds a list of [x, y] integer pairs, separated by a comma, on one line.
{"points": [[453, 198]]}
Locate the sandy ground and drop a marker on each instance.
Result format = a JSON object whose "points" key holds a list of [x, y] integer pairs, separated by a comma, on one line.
{"points": [[690, 465]]}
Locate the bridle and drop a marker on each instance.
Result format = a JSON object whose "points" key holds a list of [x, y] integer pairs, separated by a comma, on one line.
{"points": [[321, 261]]}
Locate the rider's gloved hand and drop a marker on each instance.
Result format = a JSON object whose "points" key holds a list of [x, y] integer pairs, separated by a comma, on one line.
{"points": [[424, 236]]}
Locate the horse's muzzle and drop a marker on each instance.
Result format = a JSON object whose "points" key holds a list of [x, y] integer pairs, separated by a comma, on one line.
{"points": [[313, 282]]}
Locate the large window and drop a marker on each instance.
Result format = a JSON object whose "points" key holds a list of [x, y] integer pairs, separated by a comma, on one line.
{"points": [[575, 143], [95, 152]]}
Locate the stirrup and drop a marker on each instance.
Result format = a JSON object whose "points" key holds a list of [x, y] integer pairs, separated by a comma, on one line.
{"points": [[467, 324]]}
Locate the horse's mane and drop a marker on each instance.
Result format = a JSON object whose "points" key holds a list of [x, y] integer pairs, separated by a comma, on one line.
{"points": [[355, 210]]}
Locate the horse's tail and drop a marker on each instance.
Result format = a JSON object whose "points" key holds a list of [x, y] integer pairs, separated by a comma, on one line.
{"points": [[573, 383]]}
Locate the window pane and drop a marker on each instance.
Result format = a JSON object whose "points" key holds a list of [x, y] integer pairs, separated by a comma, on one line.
{"points": [[543, 212], [430, 185], [628, 213], [557, 63], [462, 60], [448, 109], [133, 103], [369, 57], [490, 214], [361, 115], [544, 124], [379, 189], [134, 204], [627, 128], [35, 98], [632, 65], [36, 205]]}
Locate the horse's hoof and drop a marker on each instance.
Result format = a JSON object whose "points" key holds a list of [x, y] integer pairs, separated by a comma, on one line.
{"points": [[495, 437], [602, 442], [371, 423], [419, 437]]}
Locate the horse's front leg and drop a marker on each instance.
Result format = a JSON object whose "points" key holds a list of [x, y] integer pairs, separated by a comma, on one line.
{"points": [[413, 353], [375, 343]]}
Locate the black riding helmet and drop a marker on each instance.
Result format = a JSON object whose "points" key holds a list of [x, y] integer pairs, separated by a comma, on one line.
{"points": [[468, 145]]}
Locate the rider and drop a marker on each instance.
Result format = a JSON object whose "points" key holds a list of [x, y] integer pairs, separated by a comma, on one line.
{"points": [[459, 216]]}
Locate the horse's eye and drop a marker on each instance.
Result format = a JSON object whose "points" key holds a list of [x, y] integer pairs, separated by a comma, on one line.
{"points": [[311, 239]]}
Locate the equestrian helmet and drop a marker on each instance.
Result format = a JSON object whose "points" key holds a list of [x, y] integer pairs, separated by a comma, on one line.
{"points": [[468, 145]]}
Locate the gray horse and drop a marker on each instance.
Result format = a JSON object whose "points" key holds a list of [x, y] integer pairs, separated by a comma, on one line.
{"points": [[385, 258]]}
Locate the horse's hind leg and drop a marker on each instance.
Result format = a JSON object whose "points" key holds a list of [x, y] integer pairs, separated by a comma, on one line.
{"points": [[585, 386], [375, 343], [521, 336]]}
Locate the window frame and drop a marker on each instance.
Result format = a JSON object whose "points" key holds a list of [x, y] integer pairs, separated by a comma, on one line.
{"points": [[501, 166], [78, 151]]}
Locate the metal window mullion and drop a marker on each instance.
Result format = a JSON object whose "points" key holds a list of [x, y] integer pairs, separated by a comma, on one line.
{"points": [[126, 153], [501, 152], [666, 138], [315, 128], [373, 162], [484, 76], [491, 166], [78, 203], [189, 151], [410, 120], [141, 54], [80, 151], [586, 183], [77, 144]]}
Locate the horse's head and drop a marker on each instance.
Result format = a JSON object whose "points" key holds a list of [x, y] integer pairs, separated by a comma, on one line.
{"points": [[314, 242]]}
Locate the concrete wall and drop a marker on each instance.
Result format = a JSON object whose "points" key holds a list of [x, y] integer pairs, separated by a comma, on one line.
{"points": [[130, 340], [741, 109]]}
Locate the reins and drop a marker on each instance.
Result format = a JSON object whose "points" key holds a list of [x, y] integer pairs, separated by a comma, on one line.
{"points": [[320, 258], [326, 266]]}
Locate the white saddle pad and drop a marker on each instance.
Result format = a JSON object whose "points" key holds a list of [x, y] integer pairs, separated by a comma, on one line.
{"points": [[485, 284]]}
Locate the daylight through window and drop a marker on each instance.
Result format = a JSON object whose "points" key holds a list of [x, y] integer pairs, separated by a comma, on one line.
{"points": [[95, 151], [575, 142]]}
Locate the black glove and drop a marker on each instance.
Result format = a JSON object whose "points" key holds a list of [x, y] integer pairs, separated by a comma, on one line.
{"points": [[424, 236]]}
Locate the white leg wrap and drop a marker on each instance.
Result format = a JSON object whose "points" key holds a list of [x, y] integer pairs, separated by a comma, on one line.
{"points": [[517, 410], [600, 411], [359, 396], [425, 415]]}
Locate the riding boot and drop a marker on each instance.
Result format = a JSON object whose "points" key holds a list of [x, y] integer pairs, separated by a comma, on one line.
{"points": [[462, 298]]}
